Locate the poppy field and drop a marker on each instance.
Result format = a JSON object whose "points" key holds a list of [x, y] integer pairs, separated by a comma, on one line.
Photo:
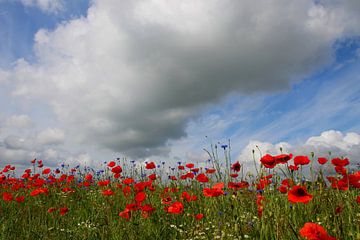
{"points": [[286, 197]]}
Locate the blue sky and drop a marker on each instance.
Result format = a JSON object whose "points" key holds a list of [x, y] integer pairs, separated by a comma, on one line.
{"points": [[145, 85]]}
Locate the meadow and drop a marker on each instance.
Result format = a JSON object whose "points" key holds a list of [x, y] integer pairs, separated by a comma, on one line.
{"points": [[287, 197]]}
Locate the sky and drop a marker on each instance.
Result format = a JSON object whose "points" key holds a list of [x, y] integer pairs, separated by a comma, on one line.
{"points": [[83, 82]]}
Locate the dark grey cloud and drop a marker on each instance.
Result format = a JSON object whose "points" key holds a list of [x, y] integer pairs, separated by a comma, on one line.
{"points": [[131, 74]]}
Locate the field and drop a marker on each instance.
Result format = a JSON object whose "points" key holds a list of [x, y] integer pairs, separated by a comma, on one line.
{"points": [[287, 197]]}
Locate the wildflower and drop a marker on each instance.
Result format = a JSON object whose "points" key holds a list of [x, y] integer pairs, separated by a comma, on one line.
{"points": [[283, 158], [111, 164], [341, 170], [210, 170], [340, 162], [322, 160], [293, 167], [313, 231], [88, 177], [268, 161], [190, 165], [166, 200], [103, 183], [150, 165], [140, 197], [7, 197], [199, 216], [176, 208], [107, 192], [52, 209], [238, 185], [152, 177], [63, 211], [116, 169], [128, 181], [215, 191], [282, 189], [301, 160], [358, 199], [299, 194], [125, 214], [202, 178], [181, 167], [20, 199], [236, 166], [46, 171]]}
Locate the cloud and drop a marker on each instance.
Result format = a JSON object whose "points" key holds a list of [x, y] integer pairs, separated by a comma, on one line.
{"points": [[48, 6], [130, 75], [51, 136], [336, 142], [18, 121]]}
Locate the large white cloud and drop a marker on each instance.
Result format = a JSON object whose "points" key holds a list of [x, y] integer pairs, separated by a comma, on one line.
{"points": [[130, 74], [51, 136], [19, 121]]}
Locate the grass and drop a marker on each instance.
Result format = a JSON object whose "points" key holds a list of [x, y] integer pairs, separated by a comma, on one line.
{"points": [[234, 214]]}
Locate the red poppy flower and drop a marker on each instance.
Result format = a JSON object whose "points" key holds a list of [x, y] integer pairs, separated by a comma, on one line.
{"points": [[140, 197], [107, 192], [215, 191], [301, 160], [202, 178], [199, 216], [116, 169], [166, 200], [299, 194], [236, 166], [39, 191], [126, 191], [52, 209], [176, 208], [238, 185], [63, 211], [190, 165], [128, 181], [7, 197], [150, 165], [103, 183], [147, 208], [210, 170], [173, 178], [234, 175], [195, 170], [322, 160], [20, 199], [268, 161], [152, 177], [111, 164], [341, 170], [282, 189], [313, 231], [283, 158], [181, 167], [125, 214], [340, 162], [67, 190], [358, 199], [293, 167], [88, 177], [354, 179], [46, 171], [287, 182]]}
